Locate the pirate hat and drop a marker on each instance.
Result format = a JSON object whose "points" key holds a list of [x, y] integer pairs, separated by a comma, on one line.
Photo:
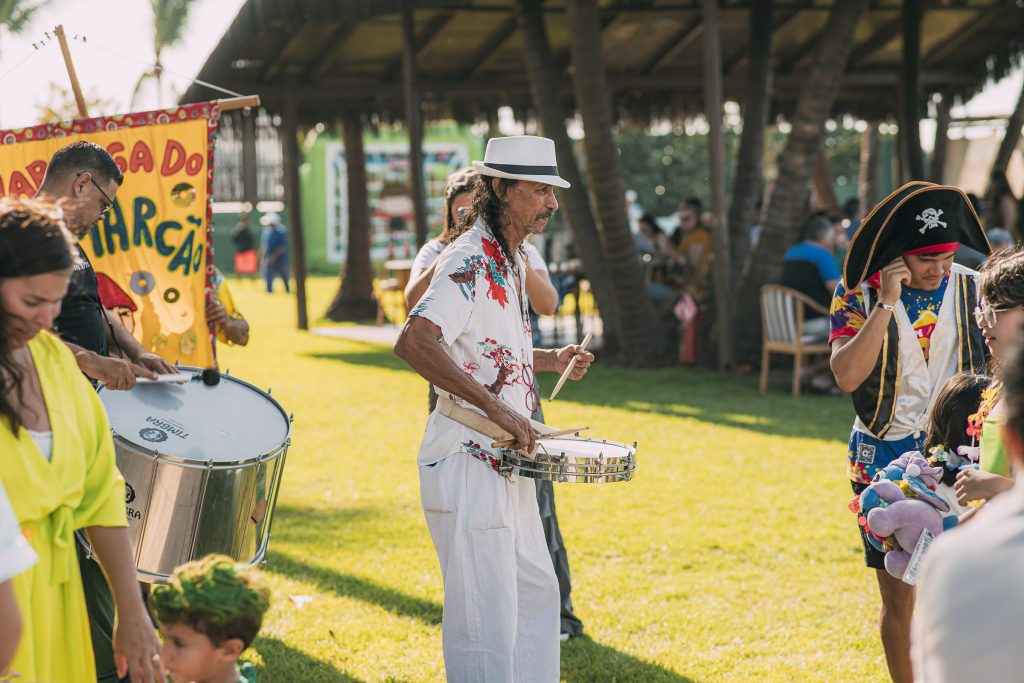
{"points": [[918, 218]]}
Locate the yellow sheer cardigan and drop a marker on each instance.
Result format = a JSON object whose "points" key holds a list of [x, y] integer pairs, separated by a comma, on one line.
{"points": [[79, 487]]}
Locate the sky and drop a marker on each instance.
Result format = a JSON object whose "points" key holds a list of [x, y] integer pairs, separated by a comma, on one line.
{"points": [[118, 49], [124, 27]]}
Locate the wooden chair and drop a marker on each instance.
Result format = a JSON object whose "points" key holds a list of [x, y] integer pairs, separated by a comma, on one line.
{"points": [[782, 326]]}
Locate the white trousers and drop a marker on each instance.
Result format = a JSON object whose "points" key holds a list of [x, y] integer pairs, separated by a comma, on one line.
{"points": [[501, 603]]}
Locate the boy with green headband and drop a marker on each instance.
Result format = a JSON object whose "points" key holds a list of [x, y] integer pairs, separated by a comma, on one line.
{"points": [[209, 614]]}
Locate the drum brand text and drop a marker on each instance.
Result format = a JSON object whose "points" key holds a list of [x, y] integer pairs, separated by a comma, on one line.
{"points": [[170, 428]]}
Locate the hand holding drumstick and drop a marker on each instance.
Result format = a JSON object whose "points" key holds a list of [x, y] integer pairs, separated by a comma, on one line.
{"points": [[572, 361]]}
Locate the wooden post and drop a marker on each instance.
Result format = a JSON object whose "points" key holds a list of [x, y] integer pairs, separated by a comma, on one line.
{"points": [[941, 145], [83, 111], [716, 141], [1012, 137], [413, 122], [293, 198], [250, 179], [824, 189], [910, 93], [867, 182]]}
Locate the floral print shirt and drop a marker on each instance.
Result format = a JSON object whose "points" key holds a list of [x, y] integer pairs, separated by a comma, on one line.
{"points": [[478, 299]]}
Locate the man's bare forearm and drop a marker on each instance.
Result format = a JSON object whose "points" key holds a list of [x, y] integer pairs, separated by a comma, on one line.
{"points": [[123, 339], [419, 346]]}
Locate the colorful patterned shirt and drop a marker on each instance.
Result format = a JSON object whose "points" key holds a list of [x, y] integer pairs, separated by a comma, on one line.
{"points": [[480, 307], [848, 313]]}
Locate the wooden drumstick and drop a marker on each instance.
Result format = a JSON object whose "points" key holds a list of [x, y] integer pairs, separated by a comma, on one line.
{"points": [[570, 366], [541, 437]]}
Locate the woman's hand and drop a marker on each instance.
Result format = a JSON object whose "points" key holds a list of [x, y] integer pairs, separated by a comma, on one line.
{"points": [[137, 649]]}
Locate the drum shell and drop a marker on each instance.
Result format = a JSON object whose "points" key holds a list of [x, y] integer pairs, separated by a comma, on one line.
{"points": [[180, 510]]}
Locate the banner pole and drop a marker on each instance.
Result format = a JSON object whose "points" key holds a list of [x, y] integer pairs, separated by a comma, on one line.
{"points": [[238, 102], [83, 112]]}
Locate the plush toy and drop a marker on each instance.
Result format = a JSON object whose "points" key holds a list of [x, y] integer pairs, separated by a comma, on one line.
{"points": [[899, 505]]}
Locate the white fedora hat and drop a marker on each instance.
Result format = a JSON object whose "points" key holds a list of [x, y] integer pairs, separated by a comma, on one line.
{"points": [[521, 157]]}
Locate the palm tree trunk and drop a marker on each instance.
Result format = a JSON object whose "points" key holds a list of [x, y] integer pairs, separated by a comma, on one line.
{"points": [[642, 335], [749, 181], [788, 201], [579, 214], [354, 300], [867, 180]]}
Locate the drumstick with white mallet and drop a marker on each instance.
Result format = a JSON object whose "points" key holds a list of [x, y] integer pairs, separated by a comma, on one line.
{"points": [[569, 368]]}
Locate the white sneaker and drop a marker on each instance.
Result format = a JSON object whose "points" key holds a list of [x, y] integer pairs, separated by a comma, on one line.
{"points": [[564, 637]]}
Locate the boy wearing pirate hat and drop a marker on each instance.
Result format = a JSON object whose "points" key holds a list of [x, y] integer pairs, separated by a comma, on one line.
{"points": [[901, 324]]}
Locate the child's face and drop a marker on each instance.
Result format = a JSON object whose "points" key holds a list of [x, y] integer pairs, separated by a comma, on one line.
{"points": [[191, 657]]}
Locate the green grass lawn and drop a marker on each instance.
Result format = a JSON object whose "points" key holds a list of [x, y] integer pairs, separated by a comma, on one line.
{"points": [[731, 555]]}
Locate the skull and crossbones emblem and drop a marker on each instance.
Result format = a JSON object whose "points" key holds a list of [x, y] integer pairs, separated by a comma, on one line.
{"points": [[931, 219]]}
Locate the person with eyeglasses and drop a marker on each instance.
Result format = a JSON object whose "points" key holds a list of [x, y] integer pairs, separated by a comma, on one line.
{"points": [[901, 324], [1000, 315], [82, 179]]}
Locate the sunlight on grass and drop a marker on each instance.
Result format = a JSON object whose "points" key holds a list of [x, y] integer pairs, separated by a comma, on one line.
{"points": [[730, 557]]}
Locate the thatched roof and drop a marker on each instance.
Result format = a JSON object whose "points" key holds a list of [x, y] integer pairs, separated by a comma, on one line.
{"points": [[469, 54]]}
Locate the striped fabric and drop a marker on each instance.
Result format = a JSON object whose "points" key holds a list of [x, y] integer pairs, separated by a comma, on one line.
{"points": [[778, 308]]}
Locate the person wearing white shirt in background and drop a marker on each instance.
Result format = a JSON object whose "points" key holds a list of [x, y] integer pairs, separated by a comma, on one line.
{"points": [[16, 555], [971, 593]]}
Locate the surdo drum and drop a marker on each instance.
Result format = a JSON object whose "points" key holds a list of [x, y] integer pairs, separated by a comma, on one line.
{"points": [[574, 459], [202, 466]]}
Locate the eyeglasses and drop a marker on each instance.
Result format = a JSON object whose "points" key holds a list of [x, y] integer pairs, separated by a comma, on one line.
{"points": [[985, 313], [109, 202]]}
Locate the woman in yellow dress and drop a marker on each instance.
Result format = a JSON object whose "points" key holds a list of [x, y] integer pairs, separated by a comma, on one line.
{"points": [[58, 466]]}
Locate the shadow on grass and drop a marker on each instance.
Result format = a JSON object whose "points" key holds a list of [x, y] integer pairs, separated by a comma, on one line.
{"points": [[346, 585], [295, 524], [585, 661], [724, 400], [286, 664], [364, 353]]}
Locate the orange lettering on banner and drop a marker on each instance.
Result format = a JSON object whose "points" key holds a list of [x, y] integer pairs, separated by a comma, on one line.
{"points": [[175, 151], [114, 148], [37, 169], [141, 158], [20, 185], [175, 159]]}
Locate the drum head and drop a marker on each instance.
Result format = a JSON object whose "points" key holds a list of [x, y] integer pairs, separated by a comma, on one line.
{"points": [[232, 421], [582, 447]]}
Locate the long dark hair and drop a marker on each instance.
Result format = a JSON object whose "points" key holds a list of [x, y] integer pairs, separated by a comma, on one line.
{"points": [[33, 241], [488, 203], [958, 399], [459, 182]]}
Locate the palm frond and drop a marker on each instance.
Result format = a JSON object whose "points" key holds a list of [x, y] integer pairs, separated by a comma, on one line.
{"points": [[170, 17], [146, 75], [15, 15]]}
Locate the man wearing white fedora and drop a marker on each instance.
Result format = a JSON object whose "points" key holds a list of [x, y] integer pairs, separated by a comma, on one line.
{"points": [[469, 335]]}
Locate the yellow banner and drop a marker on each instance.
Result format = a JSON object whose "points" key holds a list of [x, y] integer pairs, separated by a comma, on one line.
{"points": [[151, 252]]}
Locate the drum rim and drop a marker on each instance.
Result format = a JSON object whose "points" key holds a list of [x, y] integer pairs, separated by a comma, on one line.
{"points": [[212, 464]]}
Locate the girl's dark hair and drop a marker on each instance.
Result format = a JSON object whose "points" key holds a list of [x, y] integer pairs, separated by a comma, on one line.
{"points": [[487, 204], [958, 399], [458, 183], [33, 241], [1002, 279], [651, 221]]}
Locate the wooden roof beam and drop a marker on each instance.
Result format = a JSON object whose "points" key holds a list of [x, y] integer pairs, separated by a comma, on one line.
{"points": [[739, 55], [876, 42], [271, 68], [422, 39], [490, 47], [322, 61], [982, 20], [802, 52], [682, 39]]}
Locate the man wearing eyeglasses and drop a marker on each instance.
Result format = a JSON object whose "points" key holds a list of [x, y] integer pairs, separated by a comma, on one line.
{"points": [[83, 179], [902, 323]]}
